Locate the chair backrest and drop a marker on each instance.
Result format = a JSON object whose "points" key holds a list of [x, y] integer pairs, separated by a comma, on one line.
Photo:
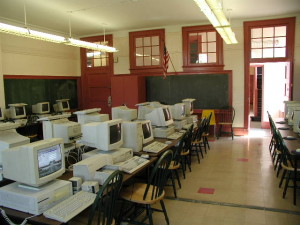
{"points": [[178, 150], [285, 155], [159, 176], [227, 114], [207, 123], [188, 138], [104, 205], [200, 130]]}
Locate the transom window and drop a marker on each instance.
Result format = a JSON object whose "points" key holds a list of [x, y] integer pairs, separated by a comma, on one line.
{"points": [[147, 51], [202, 47], [268, 42], [96, 58]]}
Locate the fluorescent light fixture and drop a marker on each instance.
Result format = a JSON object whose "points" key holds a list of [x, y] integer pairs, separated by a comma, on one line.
{"points": [[19, 31], [89, 45], [213, 10], [24, 32]]}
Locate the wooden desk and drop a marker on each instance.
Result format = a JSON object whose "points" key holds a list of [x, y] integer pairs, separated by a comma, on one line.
{"points": [[291, 145], [19, 216]]}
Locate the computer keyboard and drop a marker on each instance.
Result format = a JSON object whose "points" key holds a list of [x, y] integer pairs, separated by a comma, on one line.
{"points": [[8, 126], [175, 135], [70, 207], [133, 164], [155, 147]]}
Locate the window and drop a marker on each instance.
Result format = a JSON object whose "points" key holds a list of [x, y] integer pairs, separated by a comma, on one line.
{"points": [[146, 50], [268, 42], [202, 48], [96, 58]]}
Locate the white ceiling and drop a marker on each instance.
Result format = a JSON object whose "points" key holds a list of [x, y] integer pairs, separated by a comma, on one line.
{"points": [[88, 17]]}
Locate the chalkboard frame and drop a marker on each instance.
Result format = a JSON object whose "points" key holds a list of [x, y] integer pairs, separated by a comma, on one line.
{"points": [[223, 72], [74, 105]]}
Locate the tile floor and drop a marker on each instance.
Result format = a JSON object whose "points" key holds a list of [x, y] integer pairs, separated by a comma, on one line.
{"points": [[245, 187]]}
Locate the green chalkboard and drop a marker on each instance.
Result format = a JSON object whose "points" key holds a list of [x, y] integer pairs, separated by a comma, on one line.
{"points": [[32, 91], [211, 91]]}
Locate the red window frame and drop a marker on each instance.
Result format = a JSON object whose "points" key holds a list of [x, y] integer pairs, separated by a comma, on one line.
{"points": [[187, 65], [135, 69]]}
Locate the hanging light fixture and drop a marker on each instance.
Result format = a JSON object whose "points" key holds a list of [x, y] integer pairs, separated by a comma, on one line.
{"points": [[213, 10], [26, 32]]}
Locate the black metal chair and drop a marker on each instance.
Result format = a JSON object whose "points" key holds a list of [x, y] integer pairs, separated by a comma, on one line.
{"points": [[143, 195], [102, 212], [197, 141], [176, 165]]}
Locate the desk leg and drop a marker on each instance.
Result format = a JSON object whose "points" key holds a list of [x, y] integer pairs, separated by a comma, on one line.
{"points": [[295, 180]]}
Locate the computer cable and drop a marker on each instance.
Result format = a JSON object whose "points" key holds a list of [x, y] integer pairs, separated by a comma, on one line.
{"points": [[12, 223]]}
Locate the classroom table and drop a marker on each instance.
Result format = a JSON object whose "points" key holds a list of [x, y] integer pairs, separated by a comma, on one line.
{"points": [[41, 220], [291, 145]]}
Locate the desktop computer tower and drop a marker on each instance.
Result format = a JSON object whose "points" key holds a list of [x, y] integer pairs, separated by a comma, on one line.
{"points": [[35, 200]]}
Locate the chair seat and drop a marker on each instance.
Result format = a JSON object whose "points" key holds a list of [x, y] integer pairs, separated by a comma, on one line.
{"points": [[289, 167], [225, 123], [174, 167], [135, 193], [185, 153], [197, 142]]}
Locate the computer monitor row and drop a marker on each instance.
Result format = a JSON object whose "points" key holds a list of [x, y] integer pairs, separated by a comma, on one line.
{"points": [[159, 114], [39, 162], [18, 110]]}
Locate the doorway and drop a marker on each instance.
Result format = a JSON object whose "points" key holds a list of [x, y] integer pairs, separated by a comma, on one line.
{"points": [[268, 91]]}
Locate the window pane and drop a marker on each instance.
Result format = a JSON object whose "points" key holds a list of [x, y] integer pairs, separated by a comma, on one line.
{"points": [[147, 41], [138, 42], [97, 55], [104, 62], [256, 43], [139, 61], [97, 62], [202, 37], [280, 42], [279, 52], [204, 47], [212, 57], [155, 50], [280, 31], [202, 58], [194, 47], [193, 58], [256, 53], [268, 42], [155, 61], [89, 63], [211, 36], [268, 31], [147, 61], [147, 51], [155, 40], [139, 52], [212, 47], [268, 53], [256, 33]]}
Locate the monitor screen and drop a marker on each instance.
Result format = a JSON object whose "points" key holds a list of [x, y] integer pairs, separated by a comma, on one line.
{"points": [[167, 114], [65, 105], [146, 130], [115, 133], [49, 160], [45, 107], [20, 110], [1, 114]]}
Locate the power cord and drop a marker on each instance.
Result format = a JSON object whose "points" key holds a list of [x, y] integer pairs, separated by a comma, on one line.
{"points": [[12, 223]]}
